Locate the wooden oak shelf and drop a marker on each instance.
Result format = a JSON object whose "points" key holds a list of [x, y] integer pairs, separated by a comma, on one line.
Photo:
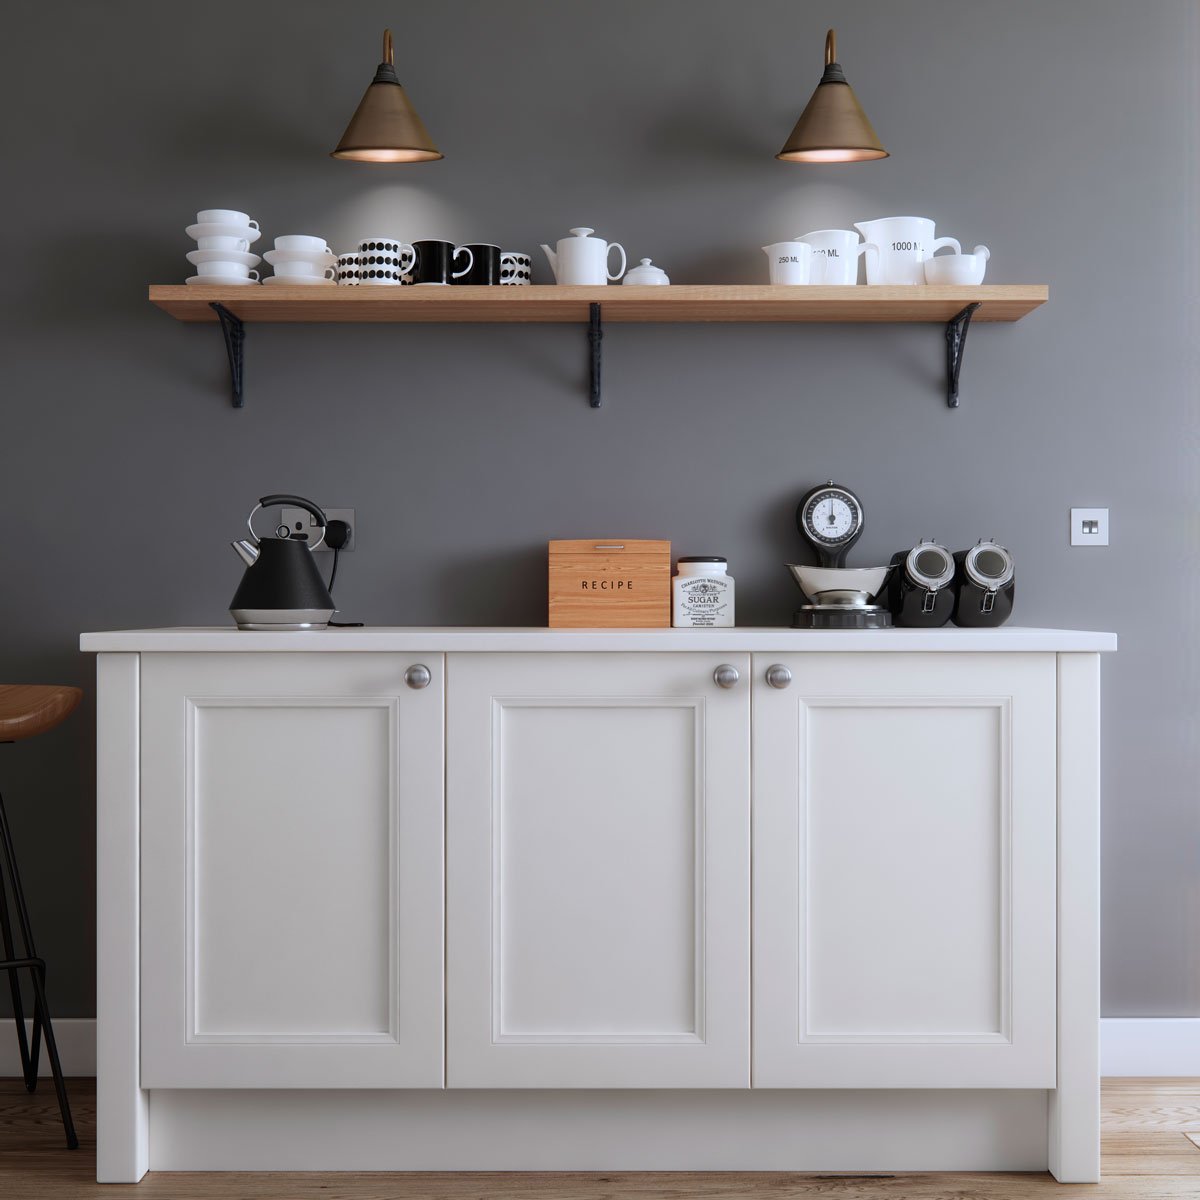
{"points": [[733, 305]]}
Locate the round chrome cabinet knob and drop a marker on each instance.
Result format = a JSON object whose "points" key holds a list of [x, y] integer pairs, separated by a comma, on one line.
{"points": [[778, 676], [726, 675], [417, 676]]}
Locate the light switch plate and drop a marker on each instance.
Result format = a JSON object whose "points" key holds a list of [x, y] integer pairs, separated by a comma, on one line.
{"points": [[1089, 527], [299, 521]]}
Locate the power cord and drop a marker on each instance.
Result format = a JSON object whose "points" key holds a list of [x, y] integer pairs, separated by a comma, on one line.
{"points": [[337, 534]]}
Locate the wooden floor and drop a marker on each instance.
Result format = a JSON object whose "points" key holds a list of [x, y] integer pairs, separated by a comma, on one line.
{"points": [[1148, 1155]]}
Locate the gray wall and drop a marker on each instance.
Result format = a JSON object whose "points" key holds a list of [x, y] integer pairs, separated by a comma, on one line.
{"points": [[1062, 135]]}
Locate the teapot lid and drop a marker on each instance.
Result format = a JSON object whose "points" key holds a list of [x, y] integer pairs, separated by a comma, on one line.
{"points": [[582, 232]]}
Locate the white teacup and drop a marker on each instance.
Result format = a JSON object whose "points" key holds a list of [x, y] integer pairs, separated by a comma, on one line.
{"points": [[965, 269], [835, 255], [221, 267], [224, 216], [791, 262], [303, 267], [222, 243], [302, 241]]}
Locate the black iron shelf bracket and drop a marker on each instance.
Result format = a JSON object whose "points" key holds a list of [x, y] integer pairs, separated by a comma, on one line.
{"points": [[956, 339], [235, 339], [595, 337]]}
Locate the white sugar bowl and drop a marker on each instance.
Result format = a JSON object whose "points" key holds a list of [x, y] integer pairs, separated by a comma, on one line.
{"points": [[646, 273]]}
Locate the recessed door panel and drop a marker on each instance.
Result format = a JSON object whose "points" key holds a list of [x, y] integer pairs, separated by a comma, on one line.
{"points": [[274, 825], [904, 810], [598, 872], [569, 967], [291, 871]]}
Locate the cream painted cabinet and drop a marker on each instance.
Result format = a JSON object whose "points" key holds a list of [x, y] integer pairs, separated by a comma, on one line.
{"points": [[904, 871], [291, 871], [598, 871]]}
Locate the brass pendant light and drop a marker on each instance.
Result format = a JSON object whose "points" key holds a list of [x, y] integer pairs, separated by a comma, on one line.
{"points": [[385, 126], [833, 128]]}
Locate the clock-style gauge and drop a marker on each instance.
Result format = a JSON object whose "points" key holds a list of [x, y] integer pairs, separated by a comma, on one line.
{"points": [[831, 518]]}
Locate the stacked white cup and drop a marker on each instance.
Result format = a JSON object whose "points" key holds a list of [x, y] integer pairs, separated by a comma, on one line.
{"points": [[222, 257], [301, 259]]}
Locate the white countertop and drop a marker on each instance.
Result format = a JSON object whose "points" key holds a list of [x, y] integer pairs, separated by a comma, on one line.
{"points": [[224, 638]]}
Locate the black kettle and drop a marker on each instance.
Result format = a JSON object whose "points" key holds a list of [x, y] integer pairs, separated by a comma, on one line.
{"points": [[281, 588]]}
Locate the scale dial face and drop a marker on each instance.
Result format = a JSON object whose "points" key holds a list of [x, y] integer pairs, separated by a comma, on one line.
{"points": [[831, 516]]}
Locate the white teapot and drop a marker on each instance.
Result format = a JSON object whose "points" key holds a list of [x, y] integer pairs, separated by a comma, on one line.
{"points": [[583, 259]]}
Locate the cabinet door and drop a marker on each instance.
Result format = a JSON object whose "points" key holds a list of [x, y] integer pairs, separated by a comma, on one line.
{"points": [[904, 871], [598, 889], [291, 871]]}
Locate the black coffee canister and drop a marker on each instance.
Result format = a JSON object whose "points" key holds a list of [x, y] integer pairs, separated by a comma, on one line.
{"points": [[984, 586]]}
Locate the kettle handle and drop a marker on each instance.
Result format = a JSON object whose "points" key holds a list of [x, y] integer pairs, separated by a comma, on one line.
{"points": [[296, 502]]}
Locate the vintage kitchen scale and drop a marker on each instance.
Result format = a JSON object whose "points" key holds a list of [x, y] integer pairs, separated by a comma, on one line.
{"points": [[830, 518]]}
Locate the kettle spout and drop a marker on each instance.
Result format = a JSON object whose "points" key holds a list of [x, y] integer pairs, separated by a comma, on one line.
{"points": [[553, 257], [246, 551]]}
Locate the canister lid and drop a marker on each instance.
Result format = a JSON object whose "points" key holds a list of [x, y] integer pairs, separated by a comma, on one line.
{"points": [[702, 558]]}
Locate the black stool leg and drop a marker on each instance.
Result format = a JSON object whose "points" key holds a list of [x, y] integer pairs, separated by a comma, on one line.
{"points": [[41, 1011], [30, 1075]]}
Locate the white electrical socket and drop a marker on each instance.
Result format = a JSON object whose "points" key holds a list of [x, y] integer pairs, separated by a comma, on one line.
{"points": [[298, 520], [1089, 527]]}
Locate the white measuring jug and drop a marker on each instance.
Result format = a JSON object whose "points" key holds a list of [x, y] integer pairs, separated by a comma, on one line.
{"points": [[904, 245]]}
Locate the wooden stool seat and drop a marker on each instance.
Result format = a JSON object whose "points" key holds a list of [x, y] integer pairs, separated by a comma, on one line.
{"points": [[27, 709]]}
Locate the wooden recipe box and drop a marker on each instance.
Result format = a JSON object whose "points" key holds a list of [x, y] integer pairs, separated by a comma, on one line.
{"points": [[612, 583]]}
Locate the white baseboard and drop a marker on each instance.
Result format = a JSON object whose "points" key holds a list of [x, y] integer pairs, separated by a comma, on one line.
{"points": [[1128, 1046], [76, 1039], [1150, 1046]]}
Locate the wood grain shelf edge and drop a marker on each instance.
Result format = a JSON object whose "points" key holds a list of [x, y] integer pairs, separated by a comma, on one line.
{"points": [[550, 304]]}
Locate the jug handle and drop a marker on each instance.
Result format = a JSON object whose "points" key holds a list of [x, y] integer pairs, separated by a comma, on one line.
{"points": [[863, 247], [611, 247], [941, 243], [295, 502]]}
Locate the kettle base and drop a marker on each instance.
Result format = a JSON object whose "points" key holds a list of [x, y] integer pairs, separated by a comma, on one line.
{"points": [[267, 619]]}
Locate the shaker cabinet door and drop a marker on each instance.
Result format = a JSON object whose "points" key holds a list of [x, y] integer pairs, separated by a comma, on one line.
{"points": [[291, 900], [904, 871], [598, 865]]}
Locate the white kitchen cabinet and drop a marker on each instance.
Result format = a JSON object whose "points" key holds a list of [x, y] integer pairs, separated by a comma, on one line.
{"points": [[904, 871], [295, 932], [598, 872], [291, 851]]}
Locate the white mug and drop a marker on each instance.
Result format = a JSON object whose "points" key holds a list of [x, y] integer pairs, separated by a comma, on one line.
{"points": [[791, 262], [835, 255], [904, 245], [305, 267], [965, 269], [222, 243], [224, 216], [220, 267]]}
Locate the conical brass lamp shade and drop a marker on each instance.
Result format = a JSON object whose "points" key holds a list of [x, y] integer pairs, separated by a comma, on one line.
{"points": [[833, 128], [385, 126]]}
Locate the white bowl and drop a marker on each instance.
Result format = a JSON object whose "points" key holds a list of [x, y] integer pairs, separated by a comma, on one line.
{"points": [[952, 269], [814, 581]]}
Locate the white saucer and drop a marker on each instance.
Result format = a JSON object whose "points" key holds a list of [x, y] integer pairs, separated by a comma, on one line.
{"points": [[300, 280], [196, 257], [219, 280], [246, 232], [308, 256]]}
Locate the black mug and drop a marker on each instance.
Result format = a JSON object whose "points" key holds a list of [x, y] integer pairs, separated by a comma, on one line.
{"points": [[435, 262], [485, 267]]}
